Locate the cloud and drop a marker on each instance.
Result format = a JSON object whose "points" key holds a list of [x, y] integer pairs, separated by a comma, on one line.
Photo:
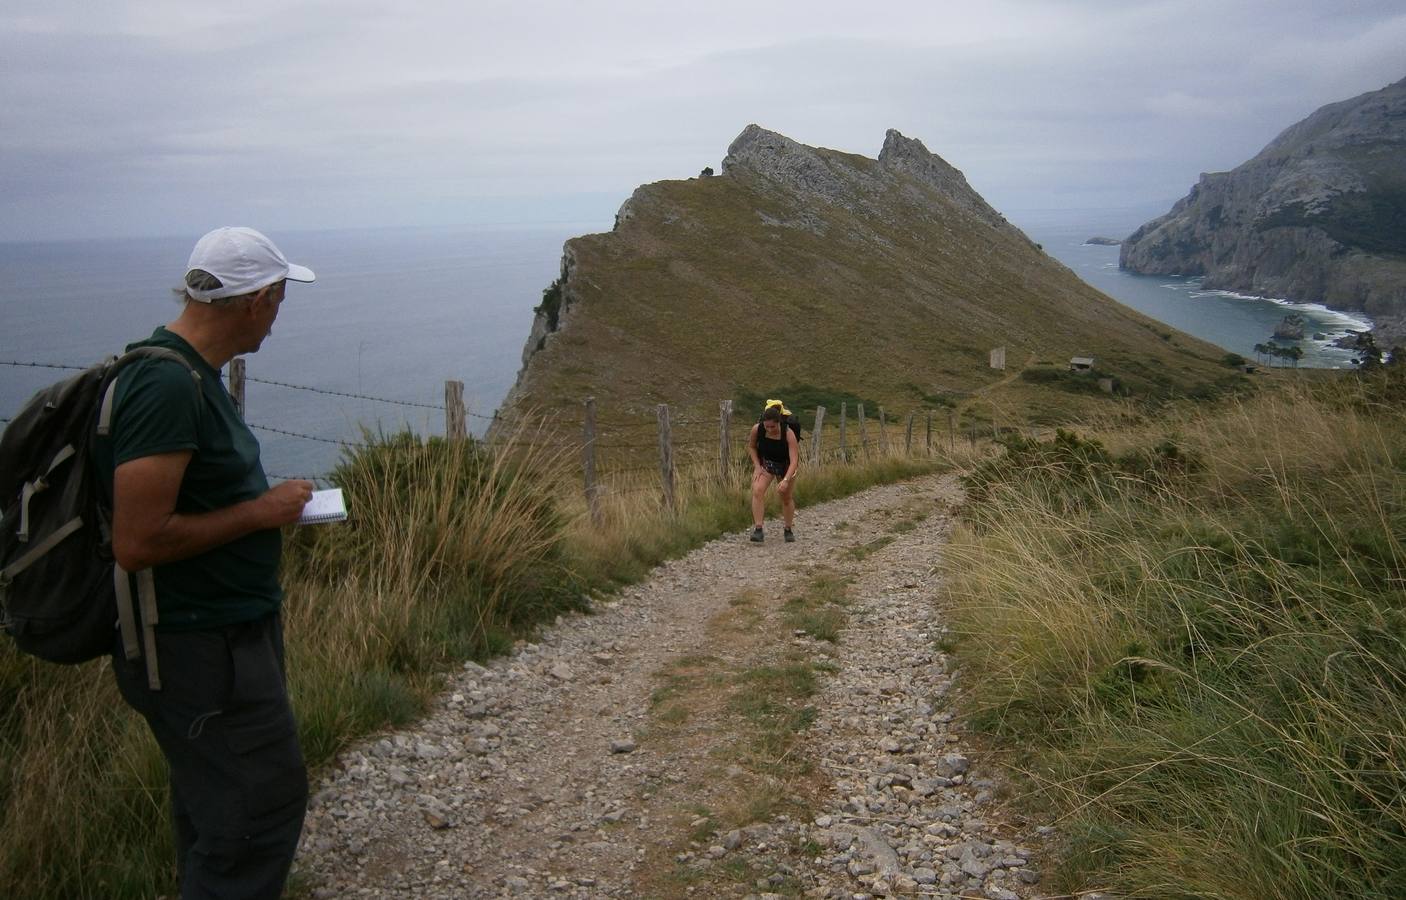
{"points": [[1181, 105], [141, 117]]}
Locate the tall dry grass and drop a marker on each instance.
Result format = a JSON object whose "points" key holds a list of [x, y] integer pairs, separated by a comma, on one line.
{"points": [[83, 788], [450, 548], [1197, 629]]}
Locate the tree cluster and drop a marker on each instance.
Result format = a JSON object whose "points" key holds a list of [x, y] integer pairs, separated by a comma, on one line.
{"points": [[1267, 351]]}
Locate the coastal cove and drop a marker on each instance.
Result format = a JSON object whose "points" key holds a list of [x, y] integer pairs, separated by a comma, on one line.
{"points": [[1234, 321], [397, 312]]}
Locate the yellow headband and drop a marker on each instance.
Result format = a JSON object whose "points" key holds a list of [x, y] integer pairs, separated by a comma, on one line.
{"points": [[771, 403]]}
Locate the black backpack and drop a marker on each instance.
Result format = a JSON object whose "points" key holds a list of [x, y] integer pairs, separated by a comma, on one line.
{"points": [[61, 592]]}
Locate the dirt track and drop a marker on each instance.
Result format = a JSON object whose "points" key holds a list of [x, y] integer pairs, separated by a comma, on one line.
{"points": [[699, 736]]}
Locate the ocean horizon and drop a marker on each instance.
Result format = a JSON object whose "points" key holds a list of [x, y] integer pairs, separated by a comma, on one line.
{"points": [[394, 313], [397, 312]]}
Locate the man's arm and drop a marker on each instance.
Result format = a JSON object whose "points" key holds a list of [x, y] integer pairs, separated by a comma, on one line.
{"points": [[147, 531]]}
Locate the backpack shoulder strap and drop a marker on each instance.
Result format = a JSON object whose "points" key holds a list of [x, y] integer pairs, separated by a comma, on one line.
{"points": [[146, 586], [110, 379]]}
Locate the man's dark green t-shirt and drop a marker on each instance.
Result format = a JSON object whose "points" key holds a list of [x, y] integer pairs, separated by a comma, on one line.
{"points": [[159, 408]]}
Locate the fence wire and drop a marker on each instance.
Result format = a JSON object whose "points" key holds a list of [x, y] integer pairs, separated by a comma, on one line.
{"points": [[686, 420], [303, 387], [39, 365], [277, 477], [306, 437]]}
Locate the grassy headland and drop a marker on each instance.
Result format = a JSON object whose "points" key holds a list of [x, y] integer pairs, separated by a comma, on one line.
{"points": [[892, 291], [1193, 630]]}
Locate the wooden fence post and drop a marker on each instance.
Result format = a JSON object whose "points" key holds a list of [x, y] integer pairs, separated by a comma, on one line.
{"points": [[951, 432], [724, 440], [844, 448], [454, 414], [666, 456], [908, 440], [588, 462], [929, 443], [883, 433], [863, 435], [815, 457], [236, 384]]}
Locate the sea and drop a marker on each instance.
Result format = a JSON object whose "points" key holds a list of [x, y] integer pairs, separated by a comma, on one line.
{"points": [[397, 312], [1227, 319]]}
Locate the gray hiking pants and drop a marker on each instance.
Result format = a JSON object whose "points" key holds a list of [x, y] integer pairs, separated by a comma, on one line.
{"points": [[238, 784]]}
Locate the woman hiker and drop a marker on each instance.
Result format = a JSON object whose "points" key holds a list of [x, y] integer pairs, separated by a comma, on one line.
{"points": [[774, 453]]}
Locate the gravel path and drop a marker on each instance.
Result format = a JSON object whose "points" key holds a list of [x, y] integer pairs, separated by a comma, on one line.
{"points": [[619, 755]]}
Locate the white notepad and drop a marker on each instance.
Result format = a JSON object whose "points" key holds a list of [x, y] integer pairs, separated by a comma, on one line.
{"points": [[325, 506]]}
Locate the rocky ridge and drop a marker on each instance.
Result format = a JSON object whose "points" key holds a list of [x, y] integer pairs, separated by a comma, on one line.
{"points": [[547, 774], [844, 180], [1319, 215]]}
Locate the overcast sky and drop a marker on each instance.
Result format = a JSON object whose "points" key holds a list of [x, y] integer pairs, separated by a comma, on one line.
{"points": [[172, 116]]}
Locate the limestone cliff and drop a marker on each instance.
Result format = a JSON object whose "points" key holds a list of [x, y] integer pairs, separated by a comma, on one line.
{"points": [[1318, 215], [889, 279]]}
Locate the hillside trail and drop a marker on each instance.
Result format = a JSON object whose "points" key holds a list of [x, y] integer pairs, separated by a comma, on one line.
{"points": [[1012, 374], [754, 720]]}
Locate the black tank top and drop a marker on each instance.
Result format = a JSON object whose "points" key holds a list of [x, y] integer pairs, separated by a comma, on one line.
{"points": [[778, 451]]}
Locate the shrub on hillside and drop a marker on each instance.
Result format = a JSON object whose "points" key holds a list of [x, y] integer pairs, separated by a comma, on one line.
{"points": [[801, 399], [1073, 382], [1075, 465]]}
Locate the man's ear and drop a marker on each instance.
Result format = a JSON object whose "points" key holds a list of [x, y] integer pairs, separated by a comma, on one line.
{"points": [[262, 295]]}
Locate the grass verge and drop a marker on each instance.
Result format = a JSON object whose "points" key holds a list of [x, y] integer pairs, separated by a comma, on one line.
{"points": [[1197, 630]]}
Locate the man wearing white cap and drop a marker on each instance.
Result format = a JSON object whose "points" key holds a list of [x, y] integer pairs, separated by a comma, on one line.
{"points": [[191, 503]]}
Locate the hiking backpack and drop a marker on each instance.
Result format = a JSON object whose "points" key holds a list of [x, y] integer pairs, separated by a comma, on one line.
{"points": [[61, 591]]}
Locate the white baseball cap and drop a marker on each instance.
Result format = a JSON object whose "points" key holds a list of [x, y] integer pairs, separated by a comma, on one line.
{"points": [[243, 260]]}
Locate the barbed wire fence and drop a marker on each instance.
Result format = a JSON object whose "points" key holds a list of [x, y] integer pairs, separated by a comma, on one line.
{"points": [[688, 442], [237, 378]]}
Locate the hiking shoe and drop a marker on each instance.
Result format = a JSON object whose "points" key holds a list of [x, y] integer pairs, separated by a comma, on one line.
{"points": [[757, 536], [790, 538]]}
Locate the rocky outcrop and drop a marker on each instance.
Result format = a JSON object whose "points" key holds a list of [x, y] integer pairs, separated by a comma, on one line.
{"points": [[1290, 328], [1319, 215], [551, 315], [777, 159], [909, 156], [853, 183]]}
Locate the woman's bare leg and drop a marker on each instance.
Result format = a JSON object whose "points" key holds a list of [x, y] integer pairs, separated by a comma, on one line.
{"points": [[759, 486], [787, 493]]}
